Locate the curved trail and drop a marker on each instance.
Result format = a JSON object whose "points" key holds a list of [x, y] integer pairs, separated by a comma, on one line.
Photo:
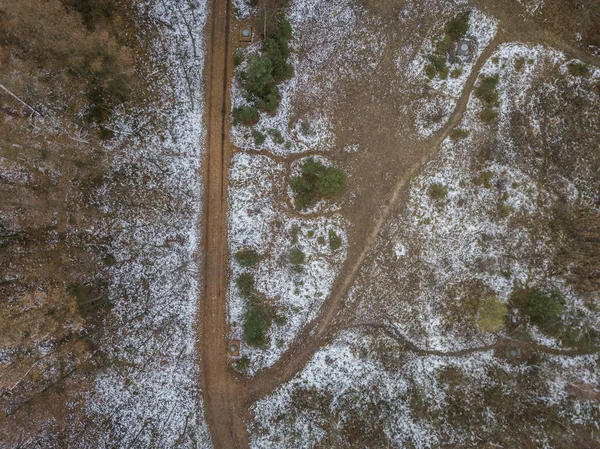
{"points": [[319, 331], [501, 343]]}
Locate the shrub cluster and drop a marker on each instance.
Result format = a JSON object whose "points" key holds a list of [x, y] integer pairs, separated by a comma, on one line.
{"points": [[458, 134], [257, 317], [247, 258], [259, 138], [487, 93], [438, 191], [578, 69], [257, 322], [317, 181], [484, 179], [294, 232], [543, 309], [245, 284], [297, 258], [335, 241], [437, 66], [505, 209], [238, 57], [492, 315], [264, 71], [455, 29], [242, 364], [276, 136], [245, 115], [519, 64]]}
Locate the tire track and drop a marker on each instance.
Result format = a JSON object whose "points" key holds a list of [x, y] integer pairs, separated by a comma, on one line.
{"points": [[222, 393]]}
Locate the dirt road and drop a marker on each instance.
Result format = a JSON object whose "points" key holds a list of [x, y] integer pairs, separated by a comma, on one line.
{"points": [[221, 391]]}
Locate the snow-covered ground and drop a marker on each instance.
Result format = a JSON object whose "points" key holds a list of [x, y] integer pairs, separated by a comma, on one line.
{"points": [[260, 219], [443, 94], [261, 215], [478, 236], [243, 8], [148, 394], [480, 233], [317, 67], [348, 392]]}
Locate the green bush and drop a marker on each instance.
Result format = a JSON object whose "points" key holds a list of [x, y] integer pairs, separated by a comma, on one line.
{"points": [[242, 364], [458, 134], [584, 339], [542, 308], [258, 76], [456, 73], [430, 71], [247, 258], [438, 191], [316, 182], [257, 322], [277, 50], [245, 115], [519, 64], [270, 101], [245, 284], [443, 45], [492, 314], [505, 209], [238, 57], [486, 91], [321, 240], [438, 63], [484, 179], [276, 135], [294, 233], [335, 242], [457, 27], [488, 116], [297, 256], [259, 138], [578, 69]]}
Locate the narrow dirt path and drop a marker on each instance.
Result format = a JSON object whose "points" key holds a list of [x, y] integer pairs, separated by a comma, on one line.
{"points": [[503, 342], [321, 330], [221, 391]]}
